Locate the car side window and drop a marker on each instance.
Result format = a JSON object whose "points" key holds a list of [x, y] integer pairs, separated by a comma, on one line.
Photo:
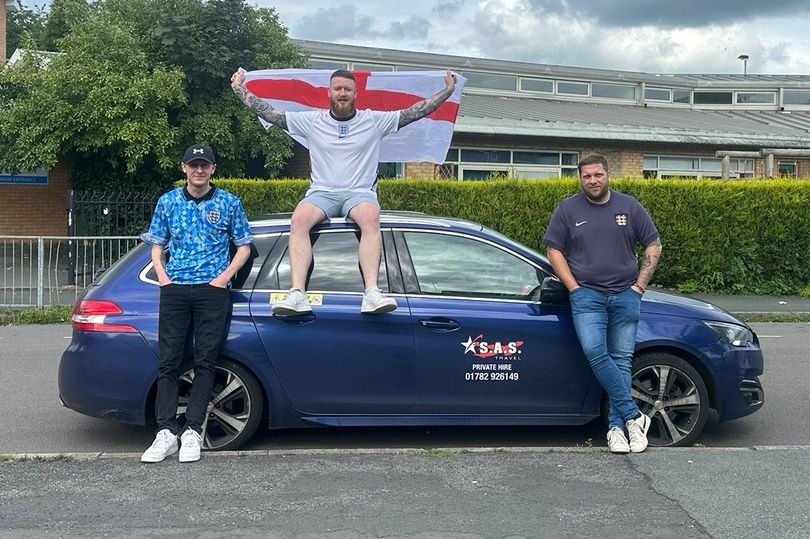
{"points": [[335, 265], [450, 265]]}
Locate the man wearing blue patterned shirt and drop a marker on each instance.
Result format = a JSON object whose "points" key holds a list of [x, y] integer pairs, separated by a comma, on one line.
{"points": [[195, 223]]}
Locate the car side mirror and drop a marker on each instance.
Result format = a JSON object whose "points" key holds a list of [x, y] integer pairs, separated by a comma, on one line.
{"points": [[553, 292]]}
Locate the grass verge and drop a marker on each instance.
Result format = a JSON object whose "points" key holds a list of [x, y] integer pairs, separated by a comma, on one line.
{"points": [[55, 314], [773, 317]]}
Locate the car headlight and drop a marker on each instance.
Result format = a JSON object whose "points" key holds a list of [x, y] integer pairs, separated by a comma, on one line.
{"points": [[732, 333]]}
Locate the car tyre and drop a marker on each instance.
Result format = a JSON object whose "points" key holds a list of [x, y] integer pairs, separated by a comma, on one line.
{"points": [[235, 410], [673, 394]]}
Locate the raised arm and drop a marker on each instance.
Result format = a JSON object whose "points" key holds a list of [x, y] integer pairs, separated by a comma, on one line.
{"points": [[260, 107], [419, 110]]}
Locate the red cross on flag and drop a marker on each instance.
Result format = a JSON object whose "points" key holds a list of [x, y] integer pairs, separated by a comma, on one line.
{"points": [[426, 140]]}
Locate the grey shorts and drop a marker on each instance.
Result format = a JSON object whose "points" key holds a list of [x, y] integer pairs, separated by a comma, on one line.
{"points": [[339, 203]]}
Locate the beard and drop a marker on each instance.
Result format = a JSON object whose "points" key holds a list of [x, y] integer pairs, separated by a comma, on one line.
{"points": [[596, 196], [342, 109]]}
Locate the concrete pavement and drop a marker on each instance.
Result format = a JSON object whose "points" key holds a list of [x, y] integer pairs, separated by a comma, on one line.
{"points": [[751, 304], [531, 492]]}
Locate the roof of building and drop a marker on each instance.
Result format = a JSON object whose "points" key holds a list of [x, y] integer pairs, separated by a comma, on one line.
{"points": [[566, 119], [686, 80], [516, 113]]}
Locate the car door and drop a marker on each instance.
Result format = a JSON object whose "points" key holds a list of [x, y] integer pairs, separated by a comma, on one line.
{"points": [[336, 360], [483, 344]]}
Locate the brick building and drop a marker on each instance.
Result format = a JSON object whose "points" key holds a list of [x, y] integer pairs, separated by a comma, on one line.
{"points": [[535, 121]]}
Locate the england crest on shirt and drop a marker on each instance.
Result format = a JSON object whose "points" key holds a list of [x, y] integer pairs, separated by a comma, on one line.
{"points": [[214, 216], [621, 219], [343, 130]]}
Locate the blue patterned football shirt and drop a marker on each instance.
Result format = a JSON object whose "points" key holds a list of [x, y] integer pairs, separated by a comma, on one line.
{"points": [[196, 233]]}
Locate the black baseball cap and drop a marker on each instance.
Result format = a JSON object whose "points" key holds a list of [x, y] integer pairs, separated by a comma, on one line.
{"points": [[199, 152]]}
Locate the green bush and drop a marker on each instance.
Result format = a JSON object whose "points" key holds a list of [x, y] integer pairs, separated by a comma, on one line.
{"points": [[738, 236]]}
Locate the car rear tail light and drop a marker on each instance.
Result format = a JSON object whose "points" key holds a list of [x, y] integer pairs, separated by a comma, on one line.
{"points": [[91, 315]]}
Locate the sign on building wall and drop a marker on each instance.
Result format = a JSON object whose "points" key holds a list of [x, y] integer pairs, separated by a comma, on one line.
{"points": [[36, 177]]}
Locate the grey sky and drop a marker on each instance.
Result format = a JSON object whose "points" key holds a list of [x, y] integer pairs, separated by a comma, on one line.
{"points": [[660, 36], [669, 14], [688, 36]]}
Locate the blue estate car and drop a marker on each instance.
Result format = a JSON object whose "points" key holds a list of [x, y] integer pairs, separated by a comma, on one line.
{"points": [[483, 336]]}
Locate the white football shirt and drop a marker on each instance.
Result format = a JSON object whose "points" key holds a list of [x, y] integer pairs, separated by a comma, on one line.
{"points": [[344, 154]]}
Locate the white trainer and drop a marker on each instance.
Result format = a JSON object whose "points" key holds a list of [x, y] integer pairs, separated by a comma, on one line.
{"points": [[637, 429], [165, 444], [617, 441], [295, 303], [375, 303], [190, 445]]}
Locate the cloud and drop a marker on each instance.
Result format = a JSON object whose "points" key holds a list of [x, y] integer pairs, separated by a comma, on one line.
{"points": [[669, 14], [415, 27], [334, 24], [634, 35], [582, 42], [445, 9]]}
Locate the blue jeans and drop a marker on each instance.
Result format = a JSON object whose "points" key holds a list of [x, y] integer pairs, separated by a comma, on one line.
{"points": [[606, 327]]}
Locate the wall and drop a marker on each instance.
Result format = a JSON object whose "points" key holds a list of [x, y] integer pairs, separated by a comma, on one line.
{"points": [[36, 210]]}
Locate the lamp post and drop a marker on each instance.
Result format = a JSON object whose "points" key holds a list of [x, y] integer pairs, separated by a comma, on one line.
{"points": [[6, 6], [744, 58]]}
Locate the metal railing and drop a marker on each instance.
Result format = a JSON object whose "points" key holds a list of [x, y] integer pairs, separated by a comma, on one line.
{"points": [[39, 271]]}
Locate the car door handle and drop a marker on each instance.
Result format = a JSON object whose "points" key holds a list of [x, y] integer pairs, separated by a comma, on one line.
{"points": [[440, 324], [296, 320]]}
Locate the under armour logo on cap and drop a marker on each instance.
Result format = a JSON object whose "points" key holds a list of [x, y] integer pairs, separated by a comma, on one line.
{"points": [[199, 152]]}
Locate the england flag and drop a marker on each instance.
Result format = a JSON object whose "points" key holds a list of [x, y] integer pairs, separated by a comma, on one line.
{"points": [[426, 140]]}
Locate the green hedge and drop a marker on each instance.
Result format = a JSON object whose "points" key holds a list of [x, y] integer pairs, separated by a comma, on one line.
{"points": [[718, 236]]}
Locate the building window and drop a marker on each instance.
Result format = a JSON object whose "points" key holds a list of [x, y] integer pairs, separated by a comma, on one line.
{"points": [[711, 98], [795, 97], [483, 164], [787, 169], [613, 91], [572, 88], [537, 85], [681, 96], [389, 170], [658, 94], [536, 158], [372, 67], [670, 166], [756, 98], [490, 81], [485, 156], [328, 64]]}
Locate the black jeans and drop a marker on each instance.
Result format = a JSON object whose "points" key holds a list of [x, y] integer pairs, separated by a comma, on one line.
{"points": [[207, 307]]}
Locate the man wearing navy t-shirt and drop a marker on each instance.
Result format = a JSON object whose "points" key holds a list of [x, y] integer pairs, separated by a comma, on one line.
{"points": [[195, 223], [591, 243]]}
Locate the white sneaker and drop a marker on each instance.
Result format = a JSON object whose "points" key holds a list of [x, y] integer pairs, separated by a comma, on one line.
{"points": [[295, 303], [375, 303], [190, 445], [637, 429], [617, 441], [165, 444]]}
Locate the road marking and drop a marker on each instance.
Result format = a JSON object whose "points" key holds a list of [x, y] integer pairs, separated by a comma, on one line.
{"points": [[769, 336]]}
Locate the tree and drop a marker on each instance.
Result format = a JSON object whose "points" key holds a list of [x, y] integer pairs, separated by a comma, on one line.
{"points": [[23, 26], [64, 15], [139, 81]]}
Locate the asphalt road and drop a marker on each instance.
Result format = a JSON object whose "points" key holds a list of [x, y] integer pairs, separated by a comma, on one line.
{"points": [[34, 421]]}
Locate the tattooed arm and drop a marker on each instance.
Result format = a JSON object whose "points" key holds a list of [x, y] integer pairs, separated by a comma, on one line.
{"points": [[260, 107], [651, 255], [423, 108]]}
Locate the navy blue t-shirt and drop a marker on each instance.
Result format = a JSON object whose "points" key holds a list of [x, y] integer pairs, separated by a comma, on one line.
{"points": [[599, 240]]}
